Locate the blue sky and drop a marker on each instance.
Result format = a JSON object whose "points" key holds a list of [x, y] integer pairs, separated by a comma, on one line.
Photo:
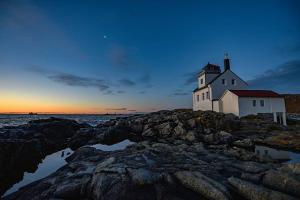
{"points": [[127, 56]]}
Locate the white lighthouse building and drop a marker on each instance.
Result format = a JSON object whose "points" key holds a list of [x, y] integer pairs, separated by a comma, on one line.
{"points": [[226, 92]]}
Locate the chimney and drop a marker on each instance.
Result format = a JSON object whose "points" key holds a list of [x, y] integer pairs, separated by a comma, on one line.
{"points": [[226, 62]]}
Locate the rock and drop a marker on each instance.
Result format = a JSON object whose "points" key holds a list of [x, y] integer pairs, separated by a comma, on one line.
{"points": [[250, 167], [149, 133], [85, 152], [282, 182], [143, 176], [291, 168], [209, 138], [165, 129], [255, 192], [81, 137], [168, 161], [190, 136], [179, 130], [104, 164], [255, 178], [245, 143], [70, 190], [203, 185], [223, 137], [192, 123]]}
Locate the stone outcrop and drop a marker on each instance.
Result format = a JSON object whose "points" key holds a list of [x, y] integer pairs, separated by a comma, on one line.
{"points": [[178, 154]]}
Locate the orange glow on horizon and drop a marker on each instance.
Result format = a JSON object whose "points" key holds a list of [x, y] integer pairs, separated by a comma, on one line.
{"points": [[21, 104], [13, 103]]}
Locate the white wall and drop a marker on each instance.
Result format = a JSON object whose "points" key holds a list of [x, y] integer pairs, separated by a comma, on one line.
{"points": [[216, 106], [229, 103], [205, 104], [218, 88], [199, 81], [206, 79], [271, 105]]}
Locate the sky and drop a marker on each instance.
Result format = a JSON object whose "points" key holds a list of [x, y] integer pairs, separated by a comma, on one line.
{"points": [[139, 56]]}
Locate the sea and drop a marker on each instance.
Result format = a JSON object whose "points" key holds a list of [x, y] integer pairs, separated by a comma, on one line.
{"points": [[20, 119]]}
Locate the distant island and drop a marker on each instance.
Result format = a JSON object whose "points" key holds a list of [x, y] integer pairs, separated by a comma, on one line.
{"points": [[32, 113]]}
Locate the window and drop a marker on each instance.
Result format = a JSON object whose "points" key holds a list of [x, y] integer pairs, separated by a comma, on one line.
{"points": [[233, 82], [207, 95], [254, 103], [201, 81], [262, 103], [202, 96], [198, 98], [266, 152], [224, 81]]}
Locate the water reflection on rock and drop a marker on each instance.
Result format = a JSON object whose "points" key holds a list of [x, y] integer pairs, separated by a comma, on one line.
{"points": [[114, 147], [276, 154], [41, 168]]}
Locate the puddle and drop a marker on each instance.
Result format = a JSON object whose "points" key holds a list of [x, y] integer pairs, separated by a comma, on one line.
{"points": [[118, 146], [54, 161], [50, 164], [288, 156]]}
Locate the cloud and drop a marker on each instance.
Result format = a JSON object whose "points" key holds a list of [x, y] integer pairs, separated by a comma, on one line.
{"points": [[132, 110], [179, 92], [116, 109], [108, 92], [284, 78], [127, 82], [191, 78], [145, 78], [71, 80], [142, 92], [120, 91]]}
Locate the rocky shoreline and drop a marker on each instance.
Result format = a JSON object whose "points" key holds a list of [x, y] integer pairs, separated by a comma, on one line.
{"points": [[179, 154]]}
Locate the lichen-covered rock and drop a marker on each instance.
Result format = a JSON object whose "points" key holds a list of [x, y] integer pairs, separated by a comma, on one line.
{"points": [[284, 182], [203, 185], [255, 192]]}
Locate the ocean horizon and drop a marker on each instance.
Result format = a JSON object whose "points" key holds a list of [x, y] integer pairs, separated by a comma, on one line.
{"points": [[91, 119]]}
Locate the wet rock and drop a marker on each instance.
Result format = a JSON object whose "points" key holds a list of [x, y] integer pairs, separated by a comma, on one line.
{"points": [[85, 152]]}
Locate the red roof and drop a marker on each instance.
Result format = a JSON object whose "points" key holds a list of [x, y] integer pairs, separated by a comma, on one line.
{"points": [[255, 93]]}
